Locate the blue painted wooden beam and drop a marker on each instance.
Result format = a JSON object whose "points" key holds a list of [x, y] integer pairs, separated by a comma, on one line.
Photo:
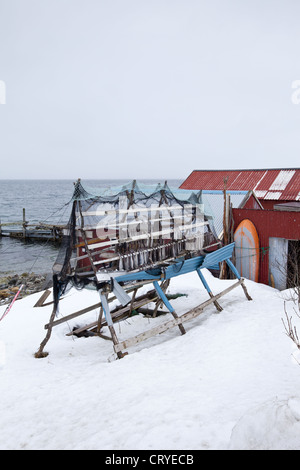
{"points": [[209, 261]]}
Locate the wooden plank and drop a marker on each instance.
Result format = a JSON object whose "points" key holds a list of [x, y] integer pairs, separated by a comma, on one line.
{"points": [[8, 224], [164, 286], [175, 322], [73, 315], [92, 241], [42, 299], [147, 334], [115, 340], [83, 235], [51, 302], [148, 312], [104, 337], [118, 313], [37, 224]]}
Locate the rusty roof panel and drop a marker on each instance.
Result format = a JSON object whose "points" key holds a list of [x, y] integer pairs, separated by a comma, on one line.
{"points": [[274, 184]]}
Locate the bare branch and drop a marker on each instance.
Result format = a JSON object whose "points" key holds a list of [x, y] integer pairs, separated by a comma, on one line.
{"points": [[291, 331]]}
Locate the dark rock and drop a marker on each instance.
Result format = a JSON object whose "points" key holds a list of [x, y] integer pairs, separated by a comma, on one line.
{"points": [[13, 281], [32, 282]]}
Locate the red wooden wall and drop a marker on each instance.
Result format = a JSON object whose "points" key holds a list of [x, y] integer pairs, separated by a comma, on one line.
{"points": [[269, 223]]}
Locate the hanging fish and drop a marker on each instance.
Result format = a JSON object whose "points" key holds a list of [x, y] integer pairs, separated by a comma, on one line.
{"points": [[120, 263], [126, 263], [145, 257]]}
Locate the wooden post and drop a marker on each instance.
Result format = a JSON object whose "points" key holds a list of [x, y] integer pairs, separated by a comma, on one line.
{"points": [[204, 282], [24, 224], [133, 299], [163, 297], [42, 299], [105, 306], [231, 236], [99, 326], [159, 301], [86, 243], [237, 274], [40, 353], [225, 227], [131, 195]]}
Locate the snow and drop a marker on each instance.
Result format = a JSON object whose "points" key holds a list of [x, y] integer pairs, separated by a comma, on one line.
{"points": [[231, 382]]}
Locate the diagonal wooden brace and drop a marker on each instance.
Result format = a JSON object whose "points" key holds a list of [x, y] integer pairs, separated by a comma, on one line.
{"points": [[163, 297], [237, 274], [211, 295], [105, 306]]}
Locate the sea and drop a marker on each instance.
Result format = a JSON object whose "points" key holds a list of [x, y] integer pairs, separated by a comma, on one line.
{"points": [[47, 201]]}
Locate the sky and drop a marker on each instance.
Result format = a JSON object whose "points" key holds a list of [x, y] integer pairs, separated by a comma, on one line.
{"points": [[148, 88]]}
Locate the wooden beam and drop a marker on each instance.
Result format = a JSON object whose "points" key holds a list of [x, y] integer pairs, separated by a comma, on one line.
{"points": [[73, 315], [148, 312], [83, 234], [119, 313], [44, 296], [8, 224], [175, 322]]}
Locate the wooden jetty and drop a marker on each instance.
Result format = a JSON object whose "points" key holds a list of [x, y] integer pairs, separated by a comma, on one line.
{"points": [[23, 230]]}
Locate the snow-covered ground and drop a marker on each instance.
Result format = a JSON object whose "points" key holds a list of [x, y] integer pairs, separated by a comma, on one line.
{"points": [[230, 383]]}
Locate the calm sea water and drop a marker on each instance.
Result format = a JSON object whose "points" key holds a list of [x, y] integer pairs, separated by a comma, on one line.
{"points": [[45, 201]]}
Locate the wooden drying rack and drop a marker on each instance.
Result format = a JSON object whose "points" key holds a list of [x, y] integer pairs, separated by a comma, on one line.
{"points": [[121, 285], [131, 282]]}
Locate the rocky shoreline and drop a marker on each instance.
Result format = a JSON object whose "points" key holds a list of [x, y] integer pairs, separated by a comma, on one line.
{"points": [[32, 282]]}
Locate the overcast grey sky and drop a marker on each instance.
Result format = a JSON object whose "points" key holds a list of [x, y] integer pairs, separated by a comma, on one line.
{"points": [[147, 88]]}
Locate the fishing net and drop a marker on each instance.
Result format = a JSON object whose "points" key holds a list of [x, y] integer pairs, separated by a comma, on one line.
{"points": [[128, 228]]}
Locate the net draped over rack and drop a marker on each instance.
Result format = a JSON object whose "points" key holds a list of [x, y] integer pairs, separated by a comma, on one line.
{"points": [[129, 228]]}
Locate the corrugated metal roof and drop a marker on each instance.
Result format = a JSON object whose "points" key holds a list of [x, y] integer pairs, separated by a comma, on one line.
{"points": [[268, 184]]}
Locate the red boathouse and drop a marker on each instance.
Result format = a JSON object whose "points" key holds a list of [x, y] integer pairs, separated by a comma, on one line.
{"points": [[273, 206]]}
